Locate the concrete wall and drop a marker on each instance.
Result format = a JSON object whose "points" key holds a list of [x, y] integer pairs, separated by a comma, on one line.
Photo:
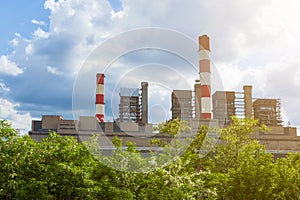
{"points": [[50, 122], [279, 138], [129, 126], [88, 123], [67, 126]]}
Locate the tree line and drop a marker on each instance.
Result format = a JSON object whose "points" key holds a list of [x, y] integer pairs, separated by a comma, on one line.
{"points": [[58, 167]]}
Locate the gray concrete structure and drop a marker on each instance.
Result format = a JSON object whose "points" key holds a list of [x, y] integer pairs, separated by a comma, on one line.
{"points": [[144, 106], [182, 104], [223, 106], [248, 106]]}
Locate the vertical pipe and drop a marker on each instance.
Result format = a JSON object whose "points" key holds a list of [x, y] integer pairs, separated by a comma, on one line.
{"points": [[197, 89], [204, 72], [248, 105], [100, 97], [144, 102]]}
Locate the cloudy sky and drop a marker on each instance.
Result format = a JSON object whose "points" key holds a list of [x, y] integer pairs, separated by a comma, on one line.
{"points": [[44, 45]]}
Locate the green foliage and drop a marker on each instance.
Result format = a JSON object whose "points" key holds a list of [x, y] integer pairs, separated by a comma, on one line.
{"points": [[238, 167], [173, 127], [288, 184]]}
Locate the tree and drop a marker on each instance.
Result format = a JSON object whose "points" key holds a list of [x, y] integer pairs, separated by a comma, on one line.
{"points": [[288, 180]]}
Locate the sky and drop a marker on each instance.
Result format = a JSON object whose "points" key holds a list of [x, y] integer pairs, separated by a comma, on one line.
{"points": [[46, 44]]}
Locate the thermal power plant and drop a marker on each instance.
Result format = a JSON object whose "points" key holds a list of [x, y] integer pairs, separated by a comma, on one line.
{"points": [[204, 72], [100, 101], [198, 107]]}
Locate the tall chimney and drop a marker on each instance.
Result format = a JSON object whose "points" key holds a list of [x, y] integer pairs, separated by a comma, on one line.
{"points": [[144, 102], [204, 72], [248, 101], [100, 97]]}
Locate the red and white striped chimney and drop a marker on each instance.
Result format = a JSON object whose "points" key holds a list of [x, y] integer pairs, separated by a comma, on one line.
{"points": [[100, 97], [204, 72]]}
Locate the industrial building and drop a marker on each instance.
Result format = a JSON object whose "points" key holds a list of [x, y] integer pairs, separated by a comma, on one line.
{"points": [[129, 107], [197, 107], [184, 107], [224, 106], [267, 111], [182, 104], [133, 105], [241, 104]]}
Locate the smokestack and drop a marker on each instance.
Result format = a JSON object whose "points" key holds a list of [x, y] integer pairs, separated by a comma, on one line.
{"points": [[204, 72], [248, 105], [197, 90], [144, 102], [100, 97]]}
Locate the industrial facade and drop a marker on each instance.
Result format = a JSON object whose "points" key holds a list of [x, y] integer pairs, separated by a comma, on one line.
{"points": [[181, 104], [133, 105], [230, 103], [267, 111], [129, 107], [224, 106], [198, 107]]}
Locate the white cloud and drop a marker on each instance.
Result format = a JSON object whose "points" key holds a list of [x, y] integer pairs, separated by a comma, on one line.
{"points": [[41, 23], [8, 67], [29, 50], [8, 111], [18, 35], [40, 34], [52, 4], [4, 88], [53, 70], [14, 42]]}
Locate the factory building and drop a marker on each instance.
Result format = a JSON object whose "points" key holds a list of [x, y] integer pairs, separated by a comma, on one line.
{"points": [[197, 107], [224, 106], [40, 128], [129, 107], [181, 104], [267, 111], [133, 105], [241, 104]]}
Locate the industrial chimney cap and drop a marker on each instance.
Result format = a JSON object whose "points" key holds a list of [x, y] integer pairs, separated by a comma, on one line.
{"points": [[204, 42]]}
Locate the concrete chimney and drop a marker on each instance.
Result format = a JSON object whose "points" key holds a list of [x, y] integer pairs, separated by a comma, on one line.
{"points": [[144, 102], [248, 101]]}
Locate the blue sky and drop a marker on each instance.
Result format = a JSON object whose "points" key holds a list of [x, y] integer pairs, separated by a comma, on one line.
{"points": [[44, 44], [16, 17]]}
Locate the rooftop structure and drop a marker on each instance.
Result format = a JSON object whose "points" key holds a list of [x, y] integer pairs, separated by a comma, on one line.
{"points": [[182, 104], [133, 105], [267, 111], [224, 106], [129, 107]]}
